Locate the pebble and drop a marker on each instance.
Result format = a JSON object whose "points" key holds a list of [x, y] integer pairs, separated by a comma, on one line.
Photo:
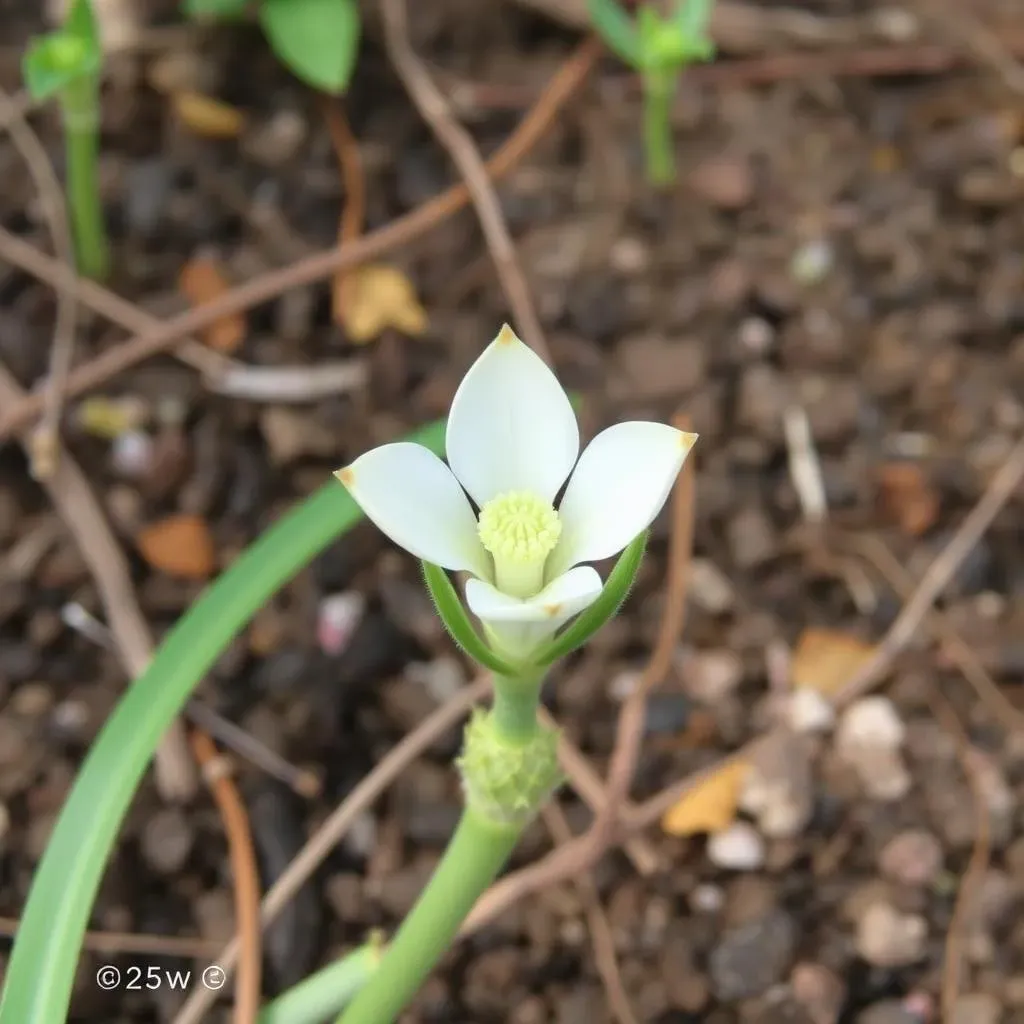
{"points": [[752, 958], [725, 181], [889, 1011], [779, 789], [442, 678], [710, 588], [868, 738], [809, 711], [291, 433], [751, 538], [707, 898], [737, 848], [167, 840], [338, 616], [653, 367], [976, 1008], [762, 398], [887, 938], [912, 858], [710, 676], [666, 714], [275, 141], [819, 991], [147, 194]]}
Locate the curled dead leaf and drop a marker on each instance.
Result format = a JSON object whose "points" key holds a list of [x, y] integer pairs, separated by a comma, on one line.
{"points": [[825, 659], [371, 298], [710, 806], [207, 117]]}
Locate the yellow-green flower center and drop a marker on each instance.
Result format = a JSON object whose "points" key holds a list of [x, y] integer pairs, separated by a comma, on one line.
{"points": [[520, 530]]}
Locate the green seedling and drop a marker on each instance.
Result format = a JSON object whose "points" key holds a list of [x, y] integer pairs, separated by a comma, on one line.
{"points": [[66, 64], [317, 40], [658, 49]]}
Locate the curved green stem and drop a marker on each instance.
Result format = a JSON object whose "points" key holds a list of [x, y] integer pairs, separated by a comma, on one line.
{"points": [[475, 855], [42, 964], [320, 996]]}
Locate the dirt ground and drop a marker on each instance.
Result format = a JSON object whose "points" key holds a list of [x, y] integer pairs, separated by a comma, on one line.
{"points": [[849, 246]]}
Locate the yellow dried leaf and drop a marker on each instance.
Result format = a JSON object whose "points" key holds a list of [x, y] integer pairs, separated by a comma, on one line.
{"points": [[374, 297], [825, 659], [205, 116], [710, 806], [109, 418]]}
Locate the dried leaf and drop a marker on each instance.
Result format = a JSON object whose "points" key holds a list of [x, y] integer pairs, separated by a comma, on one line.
{"points": [[824, 659], [710, 806], [201, 281], [908, 497], [179, 546], [109, 418], [206, 116], [374, 297]]}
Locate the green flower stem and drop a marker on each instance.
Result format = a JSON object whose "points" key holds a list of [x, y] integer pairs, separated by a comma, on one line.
{"points": [[320, 996], [80, 107], [476, 853], [659, 89], [515, 708], [45, 954]]}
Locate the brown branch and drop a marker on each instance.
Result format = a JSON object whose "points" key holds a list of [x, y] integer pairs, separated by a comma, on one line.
{"points": [[150, 342], [244, 874], [460, 146]]}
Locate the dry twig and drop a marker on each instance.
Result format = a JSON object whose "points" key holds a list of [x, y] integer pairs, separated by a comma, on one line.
{"points": [[44, 444], [322, 264], [244, 874], [331, 831], [601, 936], [132, 942], [460, 146]]}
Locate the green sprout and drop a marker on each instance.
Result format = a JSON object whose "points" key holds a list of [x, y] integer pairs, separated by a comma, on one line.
{"points": [[67, 63], [317, 40], [658, 48]]}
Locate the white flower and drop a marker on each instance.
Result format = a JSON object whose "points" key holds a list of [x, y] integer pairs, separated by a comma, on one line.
{"points": [[512, 440]]}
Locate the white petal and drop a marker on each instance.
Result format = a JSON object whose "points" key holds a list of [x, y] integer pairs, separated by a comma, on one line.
{"points": [[511, 427], [411, 495], [558, 602], [620, 484]]}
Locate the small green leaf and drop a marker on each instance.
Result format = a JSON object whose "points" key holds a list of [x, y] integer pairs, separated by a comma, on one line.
{"points": [[456, 621], [215, 8], [81, 22], [616, 28], [591, 619], [316, 39], [53, 62]]}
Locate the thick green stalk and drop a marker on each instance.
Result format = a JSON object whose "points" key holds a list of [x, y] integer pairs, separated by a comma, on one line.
{"points": [[475, 855], [45, 954], [659, 88], [320, 996], [80, 107], [515, 708]]}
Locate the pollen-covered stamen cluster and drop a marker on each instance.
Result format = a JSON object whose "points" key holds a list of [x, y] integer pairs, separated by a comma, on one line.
{"points": [[519, 530]]}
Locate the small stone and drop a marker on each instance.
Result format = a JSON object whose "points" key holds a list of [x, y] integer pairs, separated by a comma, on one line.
{"points": [[131, 454], [752, 958], [819, 991], [275, 141], [214, 913], [442, 678], [751, 538], [31, 700], [707, 898], [344, 893], [147, 192], [291, 433], [888, 938], [710, 588], [912, 858], [653, 367], [872, 722], [710, 676], [762, 399], [737, 848], [889, 1011], [779, 788], [725, 181], [167, 840], [338, 617], [812, 262], [362, 834], [976, 1008], [666, 714], [808, 711], [756, 336]]}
